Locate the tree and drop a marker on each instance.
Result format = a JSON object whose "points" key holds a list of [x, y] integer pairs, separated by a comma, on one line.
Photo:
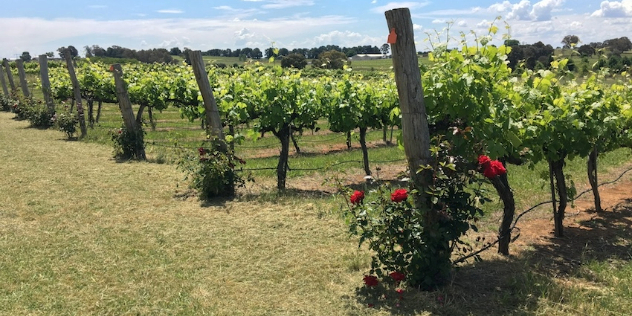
{"points": [[385, 48], [26, 56], [50, 54], [270, 52], [331, 60], [570, 41], [512, 42], [618, 45], [294, 60], [175, 51], [283, 52], [98, 51], [586, 50], [73, 51], [256, 53], [88, 50]]}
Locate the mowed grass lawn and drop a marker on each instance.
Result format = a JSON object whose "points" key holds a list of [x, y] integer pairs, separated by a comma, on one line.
{"points": [[82, 234]]}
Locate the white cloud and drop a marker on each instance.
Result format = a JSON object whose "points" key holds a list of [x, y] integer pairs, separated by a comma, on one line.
{"points": [[417, 27], [438, 21], [395, 5], [170, 11], [461, 24], [374, 2], [614, 9], [542, 10], [166, 32], [524, 11], [346, 38], [282, 4]]}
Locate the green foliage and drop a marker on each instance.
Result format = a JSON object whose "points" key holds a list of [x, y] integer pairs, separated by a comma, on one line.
{"points": [[5, 103], [297, 61], [331, 60], [40, 116], [400, 235], [212, 172], [66, 122], [37, 113], [127, 143]]}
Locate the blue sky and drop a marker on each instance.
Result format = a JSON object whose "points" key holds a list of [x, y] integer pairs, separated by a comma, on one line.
{"points": [[39, 26]]}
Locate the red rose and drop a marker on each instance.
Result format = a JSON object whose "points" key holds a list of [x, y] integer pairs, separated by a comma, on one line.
{"points": [[120, 131], [370, 280], [493, 169], [398, 276], [482, 159], [400, 291], [399, 195], [357, 197], [111, 67], [201, 151]]}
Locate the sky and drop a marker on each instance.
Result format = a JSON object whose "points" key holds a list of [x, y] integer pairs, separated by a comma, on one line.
{"points": [[40, 26]]}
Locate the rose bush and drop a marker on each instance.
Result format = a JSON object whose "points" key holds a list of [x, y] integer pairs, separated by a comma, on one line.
{"points": [[404, 239], [213, 172]]}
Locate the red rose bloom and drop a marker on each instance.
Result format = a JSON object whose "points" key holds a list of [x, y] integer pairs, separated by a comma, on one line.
{"points": [[482, 159], [493, 169], [398, 276], [370, 280], [400, 291], [201, 151], [357, 197], [399, 195]]}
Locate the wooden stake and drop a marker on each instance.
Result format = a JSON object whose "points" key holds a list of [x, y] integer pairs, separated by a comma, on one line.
{"points": [[43, 63], [415, 132], [25, 87], [3, 83], [212, 112], [7, 68], [77, 92], [126, 106]]}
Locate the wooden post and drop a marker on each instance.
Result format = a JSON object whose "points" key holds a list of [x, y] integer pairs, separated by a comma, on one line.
{"points": [[212, 112], [5, 62], [25, 86], [77, 92], [3, 83], [43, 63], [126, 107], [415, 132]]}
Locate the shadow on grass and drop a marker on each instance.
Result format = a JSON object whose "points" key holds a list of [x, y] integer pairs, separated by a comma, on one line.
{"points": [[551, 273]]}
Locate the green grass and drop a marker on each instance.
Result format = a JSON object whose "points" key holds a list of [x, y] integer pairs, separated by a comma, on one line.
{"points": [[83, 234]]}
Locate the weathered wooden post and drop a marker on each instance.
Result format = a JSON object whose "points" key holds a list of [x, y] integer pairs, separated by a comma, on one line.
{"points": [[416, 137], [43, 64], [3, 83], [25, 86], [415, 132], [126, 108], [5, 62], [212, 112], [77, 92], [214, 122]]}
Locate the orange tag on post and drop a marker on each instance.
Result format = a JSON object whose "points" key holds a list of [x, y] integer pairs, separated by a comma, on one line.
{"points": [[392, 37]]}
